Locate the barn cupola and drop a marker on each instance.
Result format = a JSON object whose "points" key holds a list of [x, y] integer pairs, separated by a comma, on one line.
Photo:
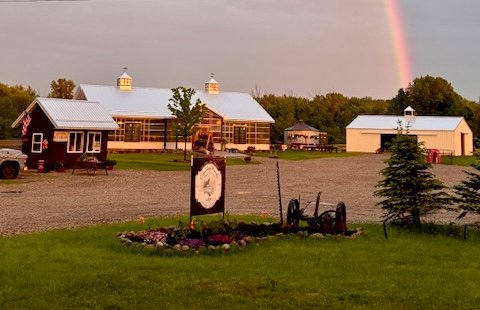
{"points": [[124, 82], [409, 112], [212, 87]]}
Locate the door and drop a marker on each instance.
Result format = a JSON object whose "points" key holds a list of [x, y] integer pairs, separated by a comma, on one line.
{"points": [[132, 132]]}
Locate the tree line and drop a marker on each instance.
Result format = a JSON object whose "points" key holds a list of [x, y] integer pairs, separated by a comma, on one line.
{"points": [[332, 112], [15, 99]]}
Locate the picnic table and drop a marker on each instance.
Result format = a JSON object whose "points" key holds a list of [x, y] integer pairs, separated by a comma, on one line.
{"points": [[90, 165], [316, 147], [327, 148], [232, 150]]}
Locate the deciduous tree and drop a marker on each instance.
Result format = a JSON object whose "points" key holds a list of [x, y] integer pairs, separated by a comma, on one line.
{"points": [[61, 88], [429, 95], [13, 100], [187, 114]]}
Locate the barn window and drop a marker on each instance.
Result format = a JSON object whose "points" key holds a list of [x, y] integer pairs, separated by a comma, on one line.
{"points": [[94, 142], [132, 132], [75, 142], [37, 139], [240, 135]]}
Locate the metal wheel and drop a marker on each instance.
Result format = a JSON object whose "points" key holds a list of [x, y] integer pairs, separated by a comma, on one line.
{"points": [[293, 212], [326, 221], [9, 171]]}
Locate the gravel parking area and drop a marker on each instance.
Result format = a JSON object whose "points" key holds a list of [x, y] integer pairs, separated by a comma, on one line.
{"points": [[37, 202]]}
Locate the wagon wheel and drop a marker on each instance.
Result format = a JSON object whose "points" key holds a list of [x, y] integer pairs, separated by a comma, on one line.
{"points": [[293, 212], [9, 171], [326, 221]]}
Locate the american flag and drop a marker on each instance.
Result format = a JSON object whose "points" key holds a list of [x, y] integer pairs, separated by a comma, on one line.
{"points": [[26, 121], [45, 144]]}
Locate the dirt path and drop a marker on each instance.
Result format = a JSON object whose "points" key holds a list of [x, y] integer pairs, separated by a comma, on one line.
{"points": [[38, 202]]}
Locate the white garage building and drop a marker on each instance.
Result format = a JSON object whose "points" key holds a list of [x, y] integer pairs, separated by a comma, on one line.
{"points": [[448, 134]]}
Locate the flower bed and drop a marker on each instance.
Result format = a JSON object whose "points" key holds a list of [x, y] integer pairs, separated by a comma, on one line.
{"points": [[221, 236]]}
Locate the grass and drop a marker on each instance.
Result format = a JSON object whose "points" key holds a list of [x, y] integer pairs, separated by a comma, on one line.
{"points": [[89, 268], [299, 155], [158, 161], [459, 160], [174, 161]]}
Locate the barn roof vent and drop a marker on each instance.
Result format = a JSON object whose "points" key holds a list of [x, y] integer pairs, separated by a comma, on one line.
{"points": [[212, 87], [124, 82], [409, 112]]}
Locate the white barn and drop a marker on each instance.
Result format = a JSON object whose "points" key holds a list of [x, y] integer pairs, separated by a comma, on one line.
{"points": [[232, 119], [448, 134]]}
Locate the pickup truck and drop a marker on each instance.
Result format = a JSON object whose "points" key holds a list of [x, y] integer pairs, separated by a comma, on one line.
{"points": [[11, 162]]}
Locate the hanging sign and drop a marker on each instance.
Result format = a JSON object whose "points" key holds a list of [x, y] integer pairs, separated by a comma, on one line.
{"points": [[207, 194], [60, 136]]}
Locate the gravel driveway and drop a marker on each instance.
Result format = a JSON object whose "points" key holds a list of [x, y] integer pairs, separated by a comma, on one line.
{"points": [[37, 202]]}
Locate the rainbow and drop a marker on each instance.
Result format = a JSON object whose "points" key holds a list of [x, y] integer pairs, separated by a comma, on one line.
{"points": [[399, 42]]}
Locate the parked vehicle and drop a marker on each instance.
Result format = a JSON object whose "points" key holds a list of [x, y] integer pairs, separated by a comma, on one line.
{"points": [[11, 161]]}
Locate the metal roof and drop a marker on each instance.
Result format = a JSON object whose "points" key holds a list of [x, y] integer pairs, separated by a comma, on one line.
{"points": [[153, 103], [301, 127], [445, 123], [73, 114]]}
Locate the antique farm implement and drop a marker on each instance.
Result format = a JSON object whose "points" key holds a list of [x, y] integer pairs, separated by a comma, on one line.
{"points": [[333, 221]]}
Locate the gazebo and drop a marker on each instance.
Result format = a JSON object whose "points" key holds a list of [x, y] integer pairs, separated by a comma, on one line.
{"points": [[302, 135]]}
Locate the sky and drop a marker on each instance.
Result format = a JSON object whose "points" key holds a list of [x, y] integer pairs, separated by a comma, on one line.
{"points": [[359, 48]]}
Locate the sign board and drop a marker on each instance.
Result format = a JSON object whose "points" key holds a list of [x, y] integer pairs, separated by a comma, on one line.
{"points": [[60, 136], [207, 194]]}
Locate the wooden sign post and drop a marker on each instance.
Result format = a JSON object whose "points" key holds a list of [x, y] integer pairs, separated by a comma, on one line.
{"points": [[207, 194]]}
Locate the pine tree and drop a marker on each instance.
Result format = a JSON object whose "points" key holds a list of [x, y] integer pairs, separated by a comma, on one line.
{"points": [[410, 191], [468, 191]]}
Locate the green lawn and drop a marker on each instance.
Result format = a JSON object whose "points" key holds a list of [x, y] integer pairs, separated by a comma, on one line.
{"points": [[298, 155], [174, 161], [158, 161], [89, 268], [459, 160]]}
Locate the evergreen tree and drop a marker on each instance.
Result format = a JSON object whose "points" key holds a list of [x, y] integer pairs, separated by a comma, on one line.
{"points": [[188, 115], [468, 191], [410, 191]]}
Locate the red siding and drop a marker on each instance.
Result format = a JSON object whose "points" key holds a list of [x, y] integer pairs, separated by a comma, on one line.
{"points": [[56, 151]]}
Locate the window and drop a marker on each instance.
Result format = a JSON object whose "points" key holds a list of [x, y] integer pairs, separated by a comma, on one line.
{"points": [[94, 142], [240, 135], [37, 139], [75, 142], [132, 132]]}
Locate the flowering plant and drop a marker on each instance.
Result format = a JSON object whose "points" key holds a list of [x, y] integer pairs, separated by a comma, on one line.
{"points": [[193, 243], [152, 237], [219, 239]]}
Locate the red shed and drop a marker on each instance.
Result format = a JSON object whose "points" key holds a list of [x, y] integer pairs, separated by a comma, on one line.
{"points": [[62, 130]]}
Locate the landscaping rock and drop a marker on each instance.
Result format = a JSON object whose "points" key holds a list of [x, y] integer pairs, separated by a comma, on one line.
{"points": [[317, 236], [302, 233], [226, 247], [185, 248], [248, 239], [242, 243]]}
